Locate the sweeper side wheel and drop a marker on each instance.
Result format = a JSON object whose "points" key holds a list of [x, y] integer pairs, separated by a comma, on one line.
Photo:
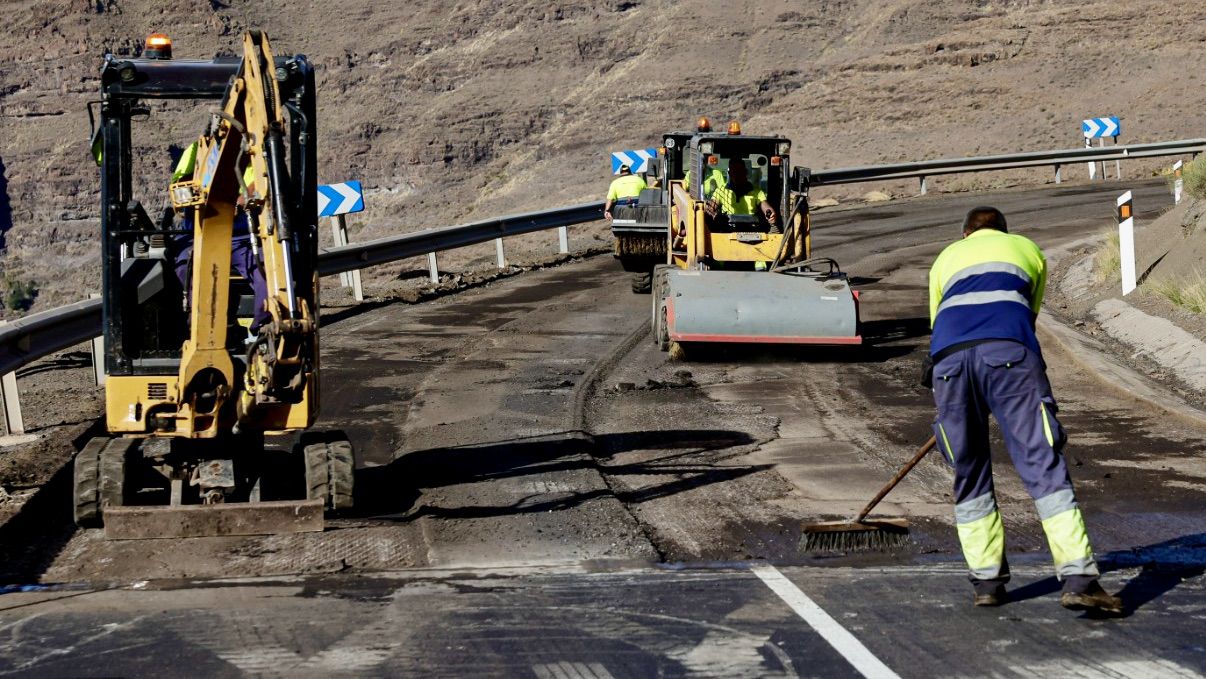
{"points": [[659, 293], [330, 471]]}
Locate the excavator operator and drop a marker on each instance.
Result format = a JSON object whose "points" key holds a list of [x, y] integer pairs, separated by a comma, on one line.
{"points": [[243, 258]]}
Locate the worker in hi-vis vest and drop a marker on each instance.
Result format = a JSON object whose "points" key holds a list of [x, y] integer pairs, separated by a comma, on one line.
{"points": [[985, 294], [624, 190]]}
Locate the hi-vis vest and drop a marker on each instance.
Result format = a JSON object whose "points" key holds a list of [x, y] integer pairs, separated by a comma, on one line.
{"points": [[989, 285]]}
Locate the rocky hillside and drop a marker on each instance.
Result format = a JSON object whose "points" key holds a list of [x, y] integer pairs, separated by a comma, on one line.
{"points": [[453, 110]]}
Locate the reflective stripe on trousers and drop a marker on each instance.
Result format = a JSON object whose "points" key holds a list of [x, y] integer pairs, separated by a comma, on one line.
{"points": [[1009, 381]]}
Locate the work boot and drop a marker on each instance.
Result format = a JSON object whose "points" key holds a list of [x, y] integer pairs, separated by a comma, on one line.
{"points": [[1091, 597], [990, 594]]}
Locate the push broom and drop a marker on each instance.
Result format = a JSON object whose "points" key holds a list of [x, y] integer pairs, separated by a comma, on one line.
{"points": [[859, 533]]}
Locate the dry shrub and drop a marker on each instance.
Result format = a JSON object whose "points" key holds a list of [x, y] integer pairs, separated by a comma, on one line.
{"points": [[1194, 175], [1187, 292], [1107, 261]]}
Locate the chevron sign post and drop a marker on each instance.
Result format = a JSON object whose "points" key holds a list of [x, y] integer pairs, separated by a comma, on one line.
{"points": [[335, 201], [1099, 129], [638, 160], [340, 199]]}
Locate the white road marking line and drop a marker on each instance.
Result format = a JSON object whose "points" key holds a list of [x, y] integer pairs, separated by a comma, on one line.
{"points": [[830, 630]]}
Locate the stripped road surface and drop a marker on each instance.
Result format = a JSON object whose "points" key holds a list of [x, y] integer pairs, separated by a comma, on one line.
{"points": [[542, 493]]}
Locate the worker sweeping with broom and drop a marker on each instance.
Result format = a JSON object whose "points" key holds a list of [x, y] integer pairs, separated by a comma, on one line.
{"points": [[985, 293]]}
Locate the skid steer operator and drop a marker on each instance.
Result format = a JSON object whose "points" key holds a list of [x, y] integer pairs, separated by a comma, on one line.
{"points": [[740, 196], [624, 190], [243, 260], [985, 293]]}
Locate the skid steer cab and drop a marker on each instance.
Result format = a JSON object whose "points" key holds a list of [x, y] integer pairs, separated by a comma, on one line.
{"points": [[210, 300], [739, 265]]}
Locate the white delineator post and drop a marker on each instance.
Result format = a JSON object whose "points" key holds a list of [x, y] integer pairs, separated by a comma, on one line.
{"points": [[1126, 241], [1178, 183], [349, 279], [563, 239]]}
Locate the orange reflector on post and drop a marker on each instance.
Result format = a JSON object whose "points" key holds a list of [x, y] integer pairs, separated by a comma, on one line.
{"points": [[1124, 211]]}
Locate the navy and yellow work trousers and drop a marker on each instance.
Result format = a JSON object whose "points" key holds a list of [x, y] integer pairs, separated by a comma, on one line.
{"points": [[1009, 381]]}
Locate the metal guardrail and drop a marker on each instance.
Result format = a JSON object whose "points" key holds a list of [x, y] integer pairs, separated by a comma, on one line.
{"points": [[928, 168], [38, 335], [393, 248]]}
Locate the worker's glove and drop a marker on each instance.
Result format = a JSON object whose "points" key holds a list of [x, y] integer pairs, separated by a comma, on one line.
{"points": [[927, 371]]}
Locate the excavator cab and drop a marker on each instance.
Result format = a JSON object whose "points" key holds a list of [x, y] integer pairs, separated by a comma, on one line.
{"points": [[200, 403]]}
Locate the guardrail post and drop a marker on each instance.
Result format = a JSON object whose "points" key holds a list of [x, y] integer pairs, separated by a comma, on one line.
{"points": [[1057, 175], [348, 279], [98, 353], [498, 251], [432, 272], [922, 178], [9, 398], [563, 240]]}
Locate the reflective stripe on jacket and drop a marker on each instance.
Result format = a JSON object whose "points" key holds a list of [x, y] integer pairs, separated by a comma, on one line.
{"points": [[987, 286], [626, 186]]}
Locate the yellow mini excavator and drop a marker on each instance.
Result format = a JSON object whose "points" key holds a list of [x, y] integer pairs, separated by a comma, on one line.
{"points": [[208, 372], [739, 265]]}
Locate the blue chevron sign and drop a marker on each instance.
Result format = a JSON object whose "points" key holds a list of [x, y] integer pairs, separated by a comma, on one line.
{"points": [[636, 160], [1109, 126], [340, 199]]}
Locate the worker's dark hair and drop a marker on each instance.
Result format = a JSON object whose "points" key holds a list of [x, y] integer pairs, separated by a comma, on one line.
{"points": [[984, 218], [624, 169]]}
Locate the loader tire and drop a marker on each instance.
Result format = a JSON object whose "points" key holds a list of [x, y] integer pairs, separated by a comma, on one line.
{"points": [[661, 331], [85, 486], [642, 282], [659, 292]]}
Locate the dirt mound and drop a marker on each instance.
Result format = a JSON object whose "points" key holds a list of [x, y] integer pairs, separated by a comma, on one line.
{"points": [[449, 112]]}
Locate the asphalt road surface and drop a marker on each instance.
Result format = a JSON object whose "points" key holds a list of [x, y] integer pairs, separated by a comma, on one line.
{"points": [[542, 493]]}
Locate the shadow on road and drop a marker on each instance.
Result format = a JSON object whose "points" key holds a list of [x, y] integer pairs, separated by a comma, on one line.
{"points": [[1162, 566], [393, 489], [33, 538]]}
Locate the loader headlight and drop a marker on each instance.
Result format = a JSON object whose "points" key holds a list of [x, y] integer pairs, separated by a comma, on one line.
{"points": [[784, 148], [705, 147]]}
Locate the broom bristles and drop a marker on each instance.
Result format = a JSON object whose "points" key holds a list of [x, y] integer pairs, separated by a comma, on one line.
{"points": [[878, 536]]}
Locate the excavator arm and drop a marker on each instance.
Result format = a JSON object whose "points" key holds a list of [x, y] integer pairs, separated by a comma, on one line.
{"points": [[241, 164]]}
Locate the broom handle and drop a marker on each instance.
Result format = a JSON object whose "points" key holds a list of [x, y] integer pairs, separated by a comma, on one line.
{"points": [[929, 445]]}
